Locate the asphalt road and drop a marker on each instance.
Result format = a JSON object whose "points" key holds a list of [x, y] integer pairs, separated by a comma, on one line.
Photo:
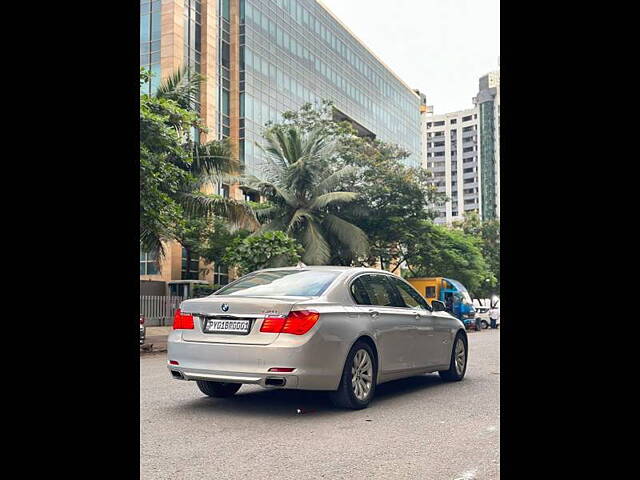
{"points": [[417, 428]]}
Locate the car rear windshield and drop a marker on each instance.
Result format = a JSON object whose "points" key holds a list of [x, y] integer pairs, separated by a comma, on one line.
{"points": [[295, 283]]}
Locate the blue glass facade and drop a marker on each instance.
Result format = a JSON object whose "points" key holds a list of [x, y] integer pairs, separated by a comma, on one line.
{"points": [[294, 51], [150, 41], [285, 53]]}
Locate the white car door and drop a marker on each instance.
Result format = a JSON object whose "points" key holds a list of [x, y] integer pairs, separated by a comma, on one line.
{"points": [[394, 326], [428, 340]]}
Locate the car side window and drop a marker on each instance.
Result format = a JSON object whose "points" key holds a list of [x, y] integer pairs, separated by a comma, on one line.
{"points": [[359, 292], [411, 298], [380, 291]]}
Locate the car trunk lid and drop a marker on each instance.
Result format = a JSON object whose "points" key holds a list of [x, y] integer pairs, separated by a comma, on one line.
{"points": [[232, 308]]}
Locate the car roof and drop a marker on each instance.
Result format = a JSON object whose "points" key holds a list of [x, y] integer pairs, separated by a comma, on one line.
{"points": [[335, 268]]}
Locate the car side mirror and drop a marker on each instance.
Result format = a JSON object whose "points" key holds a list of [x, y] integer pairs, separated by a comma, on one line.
{"points": [[437, 306]]}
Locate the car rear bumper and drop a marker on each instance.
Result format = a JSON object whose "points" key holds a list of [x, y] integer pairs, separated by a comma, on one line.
{"points": [[318, 364]]}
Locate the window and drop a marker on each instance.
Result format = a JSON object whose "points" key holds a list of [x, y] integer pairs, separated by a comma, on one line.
{"points": [[410, 297], [359, 292], [281, 283], [148, 264], [380, 291], [438, 124], [194, 267], [467, 118], [430, 292], [453, 121], [220, 275]]}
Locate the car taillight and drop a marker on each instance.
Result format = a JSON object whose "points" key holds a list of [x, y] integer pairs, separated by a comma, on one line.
{"points": [[141, 320], [182, 321], [272, 324], [296, 323]]}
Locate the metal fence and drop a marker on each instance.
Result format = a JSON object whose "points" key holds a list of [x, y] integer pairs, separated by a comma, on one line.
{"points": [[157, 310]]}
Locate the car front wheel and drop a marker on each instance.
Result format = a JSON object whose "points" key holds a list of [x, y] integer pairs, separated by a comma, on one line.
{"points": [[358, 382], [218, 389], [485, 324]]}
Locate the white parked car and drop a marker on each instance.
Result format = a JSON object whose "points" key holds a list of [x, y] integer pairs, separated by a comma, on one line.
{"points": [[483, 314]]}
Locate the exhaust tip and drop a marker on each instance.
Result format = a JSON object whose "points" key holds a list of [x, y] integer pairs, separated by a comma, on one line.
{"points": [[275, 382], [177, 375]]}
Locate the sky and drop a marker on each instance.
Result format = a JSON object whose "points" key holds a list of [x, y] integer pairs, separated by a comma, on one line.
{"points": [[440, 47]]}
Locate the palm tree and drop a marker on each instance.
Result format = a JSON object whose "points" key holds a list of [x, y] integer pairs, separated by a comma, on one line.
{"points": [[299, 183], [210, 163]]}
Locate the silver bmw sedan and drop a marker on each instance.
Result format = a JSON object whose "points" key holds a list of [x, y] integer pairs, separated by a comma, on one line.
{"points": [[340, 329]]}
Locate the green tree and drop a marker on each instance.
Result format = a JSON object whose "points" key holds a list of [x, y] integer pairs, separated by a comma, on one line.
{"points": [[265, 250], [301, 186], [487, 235], [218, 238], [173, 167], [443, 252], [392, 200]]}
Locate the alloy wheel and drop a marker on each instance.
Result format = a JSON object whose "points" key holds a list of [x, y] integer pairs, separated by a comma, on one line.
{"points": [[460, 356], [361, 374]]}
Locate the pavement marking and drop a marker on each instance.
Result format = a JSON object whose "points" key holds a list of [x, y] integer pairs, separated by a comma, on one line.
{"points": [[468, 475]]}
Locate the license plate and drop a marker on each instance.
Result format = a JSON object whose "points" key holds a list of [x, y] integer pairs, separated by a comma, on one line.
{"points": [[213, 325]]}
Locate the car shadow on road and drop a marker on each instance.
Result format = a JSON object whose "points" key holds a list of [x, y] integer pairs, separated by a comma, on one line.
{"points": [[287, 403]]}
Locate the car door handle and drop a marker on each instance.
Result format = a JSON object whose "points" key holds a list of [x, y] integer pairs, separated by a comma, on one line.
{"points": [[373, 313]]}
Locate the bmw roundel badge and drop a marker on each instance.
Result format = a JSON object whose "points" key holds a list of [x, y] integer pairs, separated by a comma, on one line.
{"points": [[224, 307]]}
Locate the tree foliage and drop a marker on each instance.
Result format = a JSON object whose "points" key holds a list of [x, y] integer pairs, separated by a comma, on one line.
{"points": [[439, 251], [392, 199], [487, 236], [303, 189], [174, 168], [164, 160], [265, 250]]}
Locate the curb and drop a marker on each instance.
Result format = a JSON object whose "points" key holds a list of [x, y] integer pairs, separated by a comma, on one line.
{"points": [[154, 344], [152, 349]]}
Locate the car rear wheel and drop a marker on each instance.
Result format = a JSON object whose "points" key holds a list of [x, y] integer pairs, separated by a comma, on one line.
{"points": [[458, 363], [485, 324], [218, 389], [358, 381]]}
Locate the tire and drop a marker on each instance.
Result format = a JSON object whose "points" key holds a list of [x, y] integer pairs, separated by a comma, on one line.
{"points": [[455, 374], [218, 389], [485, 324], [345, 396]]}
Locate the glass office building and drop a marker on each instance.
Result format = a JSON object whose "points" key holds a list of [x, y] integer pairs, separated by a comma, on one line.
{"points": [[272, 56], [260, 58], [296, 51], [488, 103], [150, 24]]}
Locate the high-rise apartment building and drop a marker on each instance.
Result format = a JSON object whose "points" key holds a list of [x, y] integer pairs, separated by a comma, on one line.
{"points": [[260, 58], [487, 102], [451, 153], [462, 150]]}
